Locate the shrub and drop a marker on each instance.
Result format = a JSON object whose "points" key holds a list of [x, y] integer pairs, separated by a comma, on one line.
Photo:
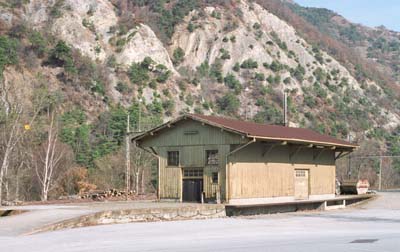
{"points": [[256, 26], [88, 24], [168, 106], [287, 80], [224, 54], [190, 27], [153, 84], [112, 61], [162, 73], [61, 56], [203, 69], [38, 43], [98, 87], [259, 76], [216, 14], [276, 66], [299, 73], [319, 91], [249, 63], [236, 67], [270, 79], [122, 87], [269, 114], [320, 74], [189, 100], [318, 56], [56, 9], [178, 56], [277, 79], [138, 74], [216, 71], [233, 83], [228, 103], [8, 52], [310, 101], [147, 63]]}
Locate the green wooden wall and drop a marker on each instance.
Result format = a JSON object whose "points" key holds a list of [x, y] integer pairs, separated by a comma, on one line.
{"points": [[192, 139]]}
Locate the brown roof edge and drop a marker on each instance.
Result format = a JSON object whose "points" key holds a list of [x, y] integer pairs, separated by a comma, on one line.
{"points": [[308, 142], [260, 131]]}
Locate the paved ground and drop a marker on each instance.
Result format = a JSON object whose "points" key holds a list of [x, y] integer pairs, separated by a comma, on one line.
{"points": [[41, 215], [372, 227]]}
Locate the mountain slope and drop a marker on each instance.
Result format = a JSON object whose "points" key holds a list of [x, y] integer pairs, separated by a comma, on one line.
{"points": [[109, 58]]}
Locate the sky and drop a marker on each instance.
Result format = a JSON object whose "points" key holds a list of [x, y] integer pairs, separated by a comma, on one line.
{"points": [[367, 12]]}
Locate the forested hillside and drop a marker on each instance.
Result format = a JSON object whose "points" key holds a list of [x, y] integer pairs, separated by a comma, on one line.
{"points": [[72, 71]]}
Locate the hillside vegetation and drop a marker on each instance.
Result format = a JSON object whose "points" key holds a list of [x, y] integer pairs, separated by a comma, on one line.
{"points": [[72, 71]]}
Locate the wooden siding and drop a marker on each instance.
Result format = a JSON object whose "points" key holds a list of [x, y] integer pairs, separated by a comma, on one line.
{"points": [[170, 178], [211, 189], [252, 175], [192, 151], [183, 133]]}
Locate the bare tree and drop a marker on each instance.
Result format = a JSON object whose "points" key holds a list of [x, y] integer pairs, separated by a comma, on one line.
{"points": [[12, 131], [142, 169], [49, 158]]}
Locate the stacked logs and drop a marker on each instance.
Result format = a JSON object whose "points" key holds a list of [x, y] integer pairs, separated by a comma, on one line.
{"points": [[102, 195]]}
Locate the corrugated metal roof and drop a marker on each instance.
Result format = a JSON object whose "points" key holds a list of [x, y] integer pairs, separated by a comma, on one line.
{"points": [[273, 132]]}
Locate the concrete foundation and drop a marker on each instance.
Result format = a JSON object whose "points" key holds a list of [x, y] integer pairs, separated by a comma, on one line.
{"points": [[294, 206], [199, 211]]}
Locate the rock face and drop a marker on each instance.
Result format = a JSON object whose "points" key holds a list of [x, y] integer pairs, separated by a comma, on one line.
{"points": [[223, 37], [90, 25], [261, 36], [144, 43]]}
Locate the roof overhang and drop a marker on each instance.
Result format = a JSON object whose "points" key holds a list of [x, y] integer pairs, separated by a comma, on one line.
{"points": [[333, 146], [307, 142]]}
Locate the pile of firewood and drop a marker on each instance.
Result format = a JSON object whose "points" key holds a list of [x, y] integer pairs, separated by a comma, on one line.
{"points": [[108, 194]]}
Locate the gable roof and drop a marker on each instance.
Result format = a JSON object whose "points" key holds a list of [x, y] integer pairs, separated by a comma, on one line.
{"points": [[261, 131]]}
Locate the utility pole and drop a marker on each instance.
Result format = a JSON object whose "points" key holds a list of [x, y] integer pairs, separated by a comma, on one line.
{"points": [[380, 172], [128, 158], [137, 164], [349, 167], [139, 116], [285, 120]]}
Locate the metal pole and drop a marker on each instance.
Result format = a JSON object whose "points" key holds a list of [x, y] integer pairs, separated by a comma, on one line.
{"points": [[128, 158], [139, 117], [380, 173], [349, 167], [284, 108]]}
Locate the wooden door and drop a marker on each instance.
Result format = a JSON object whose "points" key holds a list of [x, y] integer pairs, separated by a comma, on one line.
{"points": [[192, 189], [301, 184]]}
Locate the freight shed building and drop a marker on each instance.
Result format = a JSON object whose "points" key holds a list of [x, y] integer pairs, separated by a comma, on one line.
{"points": [[237, 162]]}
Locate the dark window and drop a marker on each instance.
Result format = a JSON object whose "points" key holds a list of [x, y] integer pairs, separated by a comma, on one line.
{"points": [[212, 157], [215, 177], [173, 158]]}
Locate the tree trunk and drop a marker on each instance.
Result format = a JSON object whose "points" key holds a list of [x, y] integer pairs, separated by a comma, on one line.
{"points": [[17, 187], [142, 181], [3, 170]]}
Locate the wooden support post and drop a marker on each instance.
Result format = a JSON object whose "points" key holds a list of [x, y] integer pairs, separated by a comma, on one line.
{"points": [[294, 151], [267, 149], [317, 153]]}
